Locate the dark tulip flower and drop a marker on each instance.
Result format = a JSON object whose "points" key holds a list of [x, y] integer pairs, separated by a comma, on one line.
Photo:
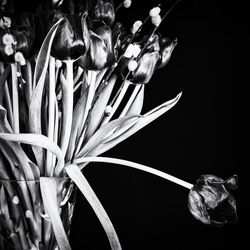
{"points": [[103, 10], [145, 69], [72, 37], [211, 202], [100, 53], [166, 49]]}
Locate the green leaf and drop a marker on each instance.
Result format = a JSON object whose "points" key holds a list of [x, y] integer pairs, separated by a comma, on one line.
{"points": [[142, 122], [97, 112], [39, 79], [101, 135], [48, 188], [40, 141], [78, 178]]}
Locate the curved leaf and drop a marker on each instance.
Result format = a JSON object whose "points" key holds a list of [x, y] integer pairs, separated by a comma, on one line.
{"points": [[142, 122], [39, 79], [40, 141], [48, 188], [102, 133], [78, 178]]}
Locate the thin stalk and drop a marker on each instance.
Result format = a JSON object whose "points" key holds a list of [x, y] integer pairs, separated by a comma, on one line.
{"points": [[67, 104], [136, 166], [28, 84], [130, 101], [117, 102], [78, 75], [51, 113], [15, 98]]}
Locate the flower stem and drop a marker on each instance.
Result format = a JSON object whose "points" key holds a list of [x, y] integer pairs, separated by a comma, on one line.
{"points": [[15, 98], [131, 99], [51, 113], [91, 93], [136, 166], [117, 102], [67, 104]]}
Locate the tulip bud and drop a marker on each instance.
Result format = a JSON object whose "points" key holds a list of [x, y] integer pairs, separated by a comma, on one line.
{"points": [[104, 11], [167, 48], [145, 69], [106, 34], [210, 202], [72, 37], [96, 56]]}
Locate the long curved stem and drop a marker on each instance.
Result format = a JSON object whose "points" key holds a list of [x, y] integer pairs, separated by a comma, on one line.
{"points": [[136, 166]]}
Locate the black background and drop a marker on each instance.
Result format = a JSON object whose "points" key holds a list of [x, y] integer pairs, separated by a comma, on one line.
{"points": [[198, 136]]}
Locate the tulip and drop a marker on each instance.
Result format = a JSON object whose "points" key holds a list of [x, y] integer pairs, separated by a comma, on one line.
{"points": [[146, 67], [167, 48], [104, 11], [72, 37], [211, 202], [100, 53]]}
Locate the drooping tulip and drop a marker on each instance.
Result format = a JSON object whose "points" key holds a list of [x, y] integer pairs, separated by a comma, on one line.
{"points": [[103, 10], [211, 202]]}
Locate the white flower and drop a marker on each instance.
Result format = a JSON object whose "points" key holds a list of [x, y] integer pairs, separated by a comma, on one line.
{"points": [[129, 51], [15, 200], [8, 50], [136, 50], [136, 26], [8, 39], [58, 63], [20, 58], [127, 3], [154, 12], [108, 110], [156, 20], [132, 65]]}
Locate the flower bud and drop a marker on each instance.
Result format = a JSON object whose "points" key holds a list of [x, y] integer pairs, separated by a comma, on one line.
{"points": [[127, 3], [210, 202], [166, 50], [145, 69], [132, 65], [154, 12], [104, 11], [96, 56], [156, 20], [72, 37], [136, 26]]}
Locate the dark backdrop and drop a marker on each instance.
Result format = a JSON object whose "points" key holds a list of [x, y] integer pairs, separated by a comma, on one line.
{"points": [[198, 136]]}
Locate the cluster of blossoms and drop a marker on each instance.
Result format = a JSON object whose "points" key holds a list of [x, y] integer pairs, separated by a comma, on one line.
{"points": [[65, 73]]}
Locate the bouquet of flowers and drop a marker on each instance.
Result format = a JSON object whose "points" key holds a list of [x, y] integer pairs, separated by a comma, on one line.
{"points": [[72, 82]]}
